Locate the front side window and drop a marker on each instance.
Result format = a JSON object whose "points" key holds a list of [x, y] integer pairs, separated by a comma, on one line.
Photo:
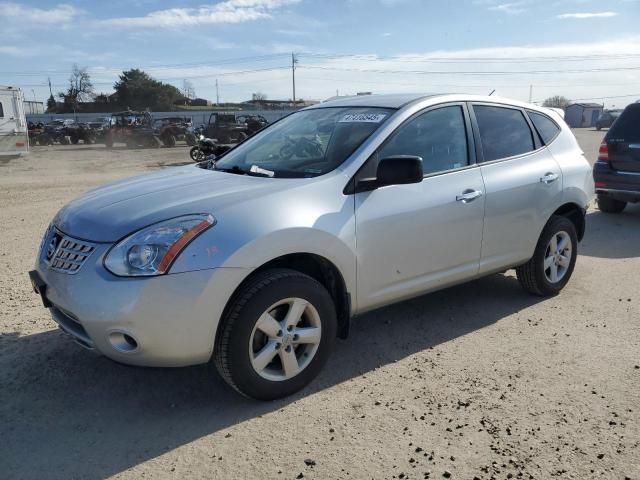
{"points": [[504, 132], [546, 127], [438, 136], [306, 143]]}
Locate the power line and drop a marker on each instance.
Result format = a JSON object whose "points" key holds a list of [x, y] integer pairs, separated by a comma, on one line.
{"points": [[469, 72], [453, 59], [599, 97], [229, 61]]}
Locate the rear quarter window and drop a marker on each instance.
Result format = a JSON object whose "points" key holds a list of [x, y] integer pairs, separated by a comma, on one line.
{"points": [[504, 132], [547, 128], [627, 126]]}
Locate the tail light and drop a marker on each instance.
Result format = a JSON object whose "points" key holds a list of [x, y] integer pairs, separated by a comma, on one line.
{"points": [[603, 153]]}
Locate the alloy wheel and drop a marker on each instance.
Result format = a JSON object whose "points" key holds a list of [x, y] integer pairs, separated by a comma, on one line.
{"points": [[285, 339], [557, 257]]}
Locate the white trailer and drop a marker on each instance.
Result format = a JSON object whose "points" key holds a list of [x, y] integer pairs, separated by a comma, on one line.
{"points": [[14, 137]]}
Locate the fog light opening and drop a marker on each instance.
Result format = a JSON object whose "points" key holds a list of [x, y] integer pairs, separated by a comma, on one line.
{"points": [[123, 342]]}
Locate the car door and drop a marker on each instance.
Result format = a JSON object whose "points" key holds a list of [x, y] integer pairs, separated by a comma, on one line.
{"points": [[418, 237], [523, 184]]}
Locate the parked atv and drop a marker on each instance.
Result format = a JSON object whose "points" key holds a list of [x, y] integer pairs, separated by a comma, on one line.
{"points": [[254, 123], [80, 131], [172, 129], [54, 132], [132, 128], [34, 130], [225, 128]]}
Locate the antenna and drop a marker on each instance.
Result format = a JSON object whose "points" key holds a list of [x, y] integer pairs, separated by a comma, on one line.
{"points": [[294, 60], [492, 92]]}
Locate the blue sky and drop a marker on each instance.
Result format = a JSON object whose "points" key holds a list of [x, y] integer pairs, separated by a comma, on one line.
{"points": [[582, 49]]}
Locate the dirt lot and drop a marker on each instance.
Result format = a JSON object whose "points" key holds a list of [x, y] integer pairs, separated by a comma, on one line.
{"points": [[480, 380]]}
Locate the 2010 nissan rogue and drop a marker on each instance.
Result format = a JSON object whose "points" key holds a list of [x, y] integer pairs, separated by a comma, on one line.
{"points": [[258, 259]]}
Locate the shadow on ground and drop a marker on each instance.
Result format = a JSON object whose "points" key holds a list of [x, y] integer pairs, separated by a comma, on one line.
{"points": [[612, 235], [63, 409]]}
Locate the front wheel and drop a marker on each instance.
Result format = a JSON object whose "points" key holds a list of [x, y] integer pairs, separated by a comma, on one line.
{"points": [[276, 335], [196, 154], [553, 261], [610, 205]]}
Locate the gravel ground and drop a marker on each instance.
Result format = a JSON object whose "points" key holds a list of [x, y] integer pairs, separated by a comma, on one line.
{"points": [[477, 381]]}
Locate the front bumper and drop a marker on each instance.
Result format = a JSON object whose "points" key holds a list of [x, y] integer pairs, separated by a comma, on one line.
{"points": [[172, 318]]}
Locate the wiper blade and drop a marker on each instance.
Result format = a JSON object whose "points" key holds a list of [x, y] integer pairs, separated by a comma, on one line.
{"points": [[255, 171]]}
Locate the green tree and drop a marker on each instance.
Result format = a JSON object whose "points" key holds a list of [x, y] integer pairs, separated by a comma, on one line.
{"points": [[51, 104], [137, 90]]}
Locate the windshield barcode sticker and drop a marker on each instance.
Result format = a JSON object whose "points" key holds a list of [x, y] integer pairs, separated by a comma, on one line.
{"points": [[363, 117]]}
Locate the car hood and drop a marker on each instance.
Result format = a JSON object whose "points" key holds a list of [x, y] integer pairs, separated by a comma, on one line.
{"points": [[113, 211]]}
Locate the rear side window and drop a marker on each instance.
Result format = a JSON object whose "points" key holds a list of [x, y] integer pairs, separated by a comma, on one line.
{"points": [[504, 132], [546, 127], [627, 126], [437, 136], [1, 111]]}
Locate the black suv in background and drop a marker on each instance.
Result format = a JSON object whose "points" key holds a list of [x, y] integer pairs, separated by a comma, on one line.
{"points": [[617, 171], [606, 119]]}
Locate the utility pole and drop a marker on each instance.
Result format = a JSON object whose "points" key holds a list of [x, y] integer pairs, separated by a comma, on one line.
{"points": [[530, 93], [294, 60], [217, 93]]}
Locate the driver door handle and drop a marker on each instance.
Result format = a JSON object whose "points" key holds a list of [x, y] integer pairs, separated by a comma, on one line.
{"points": [[549, 178], [468, 195]]}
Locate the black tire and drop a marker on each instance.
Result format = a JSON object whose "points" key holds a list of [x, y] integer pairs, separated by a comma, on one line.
{"points": [[74, 140], [169, 141], [196, 154], [190, 138], [64, 141], [232, 356], [610, 205], [532, 276]]}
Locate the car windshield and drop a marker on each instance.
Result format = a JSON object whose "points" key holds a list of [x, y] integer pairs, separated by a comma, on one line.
{"points": [[308, 143]]}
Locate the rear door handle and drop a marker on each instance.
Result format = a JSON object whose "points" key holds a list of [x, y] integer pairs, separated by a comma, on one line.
{"points": [[549, 178], [468, 195]]}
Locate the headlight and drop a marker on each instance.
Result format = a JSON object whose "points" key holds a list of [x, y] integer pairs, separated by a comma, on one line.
{"points": [[152, 250]]}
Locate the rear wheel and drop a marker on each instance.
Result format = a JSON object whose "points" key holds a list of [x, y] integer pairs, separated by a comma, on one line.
{"points": [[610, 205], [169, 140], [553, 261], [276, 335]]}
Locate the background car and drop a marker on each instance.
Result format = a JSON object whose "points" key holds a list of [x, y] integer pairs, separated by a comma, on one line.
{"points": [[617, 171], [606, 118]]}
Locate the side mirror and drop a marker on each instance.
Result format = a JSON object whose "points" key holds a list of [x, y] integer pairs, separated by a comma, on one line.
{"points": [[399, 170]]}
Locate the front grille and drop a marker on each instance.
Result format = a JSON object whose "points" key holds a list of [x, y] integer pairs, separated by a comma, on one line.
{"points": [[64, 253]]}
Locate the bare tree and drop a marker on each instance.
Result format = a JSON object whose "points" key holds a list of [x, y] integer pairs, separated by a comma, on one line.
{"points": [[557, 101], [188, 90], [80, 88], [259, 97]]}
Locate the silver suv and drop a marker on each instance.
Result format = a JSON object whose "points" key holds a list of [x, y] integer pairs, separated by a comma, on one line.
{"points": [[257, 260]]}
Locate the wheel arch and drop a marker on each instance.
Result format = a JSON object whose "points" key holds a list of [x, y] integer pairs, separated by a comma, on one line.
{"points": [[575, 214], [318, 268]]}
